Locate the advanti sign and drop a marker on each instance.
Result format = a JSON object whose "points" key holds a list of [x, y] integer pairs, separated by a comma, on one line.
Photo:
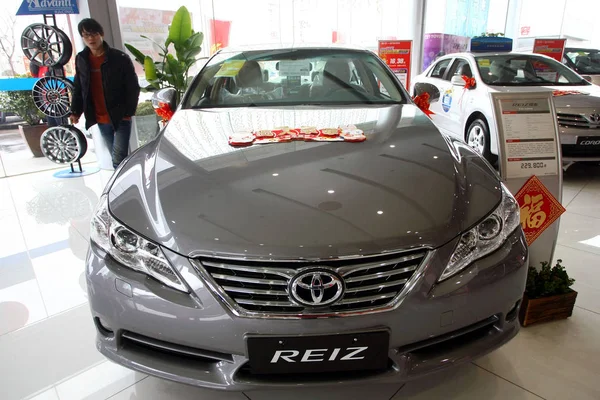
{"points": [[38, 7], [397, 55]]}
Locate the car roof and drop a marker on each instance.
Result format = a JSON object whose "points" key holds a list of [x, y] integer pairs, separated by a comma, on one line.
{"points": [[292, 46], [580, 49], [491, 53]]}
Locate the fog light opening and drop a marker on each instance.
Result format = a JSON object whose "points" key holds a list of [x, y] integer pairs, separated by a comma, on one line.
{"points": [[512, 314], [103, 327]]}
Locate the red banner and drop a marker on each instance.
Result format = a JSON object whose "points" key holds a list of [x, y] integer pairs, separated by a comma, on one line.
{"points": [[219, 34], [554, 48], [397, 55], [539, 208]]}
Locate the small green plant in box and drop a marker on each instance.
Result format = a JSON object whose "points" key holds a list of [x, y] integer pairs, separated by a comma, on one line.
{"points": [[548, 295], [548, 281]]}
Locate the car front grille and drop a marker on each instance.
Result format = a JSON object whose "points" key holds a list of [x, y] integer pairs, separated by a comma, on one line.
{"points": [[256, 288], [576, 121]]}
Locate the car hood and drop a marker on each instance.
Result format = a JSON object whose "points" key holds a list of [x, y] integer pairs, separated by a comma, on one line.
{"points": [[406, 186], [580, 97]]}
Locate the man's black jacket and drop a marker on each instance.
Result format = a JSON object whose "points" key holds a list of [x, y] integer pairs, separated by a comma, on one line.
{"points": [[120, 83]]}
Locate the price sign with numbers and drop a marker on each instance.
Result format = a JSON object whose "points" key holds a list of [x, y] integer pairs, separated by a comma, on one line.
{"points": [[527, 133]]}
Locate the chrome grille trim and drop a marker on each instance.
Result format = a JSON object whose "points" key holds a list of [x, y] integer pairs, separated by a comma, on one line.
{"points": [[366, 299], [259, 289], [249, 280], [380, 286], [266, 303], [380, 275], [576, 121], [255, 291]]}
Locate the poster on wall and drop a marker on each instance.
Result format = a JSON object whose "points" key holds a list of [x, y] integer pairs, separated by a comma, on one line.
{"points": [[154, 24], [397, 55], [554, 48], [527, 134], [438, 44]]}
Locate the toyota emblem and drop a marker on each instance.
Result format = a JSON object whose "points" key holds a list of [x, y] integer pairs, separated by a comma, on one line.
{"points": [[316, 288], [595, 118]]}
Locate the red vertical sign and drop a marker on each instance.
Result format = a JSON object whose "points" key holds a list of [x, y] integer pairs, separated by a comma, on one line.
{"points": [[397, 55], [554, 48], [219, 31]]}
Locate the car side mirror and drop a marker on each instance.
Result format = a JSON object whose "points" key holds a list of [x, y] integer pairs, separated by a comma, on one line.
{"points": [[457, 81], [166, 96], [587, 78]]}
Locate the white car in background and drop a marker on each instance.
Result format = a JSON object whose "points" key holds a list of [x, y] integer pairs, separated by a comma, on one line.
{"points": [[468, 113]]}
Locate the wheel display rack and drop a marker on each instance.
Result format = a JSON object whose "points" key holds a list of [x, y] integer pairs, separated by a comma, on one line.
{"points": [[47, 46]]}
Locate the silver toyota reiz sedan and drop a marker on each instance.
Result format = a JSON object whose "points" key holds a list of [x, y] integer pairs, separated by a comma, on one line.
{"points": [[301, 221]]}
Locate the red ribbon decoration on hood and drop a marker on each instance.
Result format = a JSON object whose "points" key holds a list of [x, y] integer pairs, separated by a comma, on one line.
{"points": [[422, 101], [558, 93], [469, 82], [164, 111]]}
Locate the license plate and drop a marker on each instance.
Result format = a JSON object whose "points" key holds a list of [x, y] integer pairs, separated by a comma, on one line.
{"points": [[315, 354], [588, 141]]}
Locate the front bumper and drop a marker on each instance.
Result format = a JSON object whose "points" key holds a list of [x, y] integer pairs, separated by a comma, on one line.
{"points": [[194, 338], [571, 151]]}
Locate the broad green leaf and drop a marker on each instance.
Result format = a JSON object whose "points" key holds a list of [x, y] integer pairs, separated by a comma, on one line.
{"points": [[150, 70], [194, 41], [181, 27], [190, 54], [139, 56]]}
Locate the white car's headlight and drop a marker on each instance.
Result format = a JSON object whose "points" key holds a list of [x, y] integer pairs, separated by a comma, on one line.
{"points": [[486, 237], [130, 249]]}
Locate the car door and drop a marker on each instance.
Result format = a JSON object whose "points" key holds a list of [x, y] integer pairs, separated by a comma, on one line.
{"points": [[457, 97], [436, 84]]}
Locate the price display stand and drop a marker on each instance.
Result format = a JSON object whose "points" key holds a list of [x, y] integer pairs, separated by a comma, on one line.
{"points": [[529, 145]]}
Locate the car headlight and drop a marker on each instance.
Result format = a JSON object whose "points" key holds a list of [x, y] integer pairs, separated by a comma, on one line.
{"points": [[486, 237], [130, 249]]}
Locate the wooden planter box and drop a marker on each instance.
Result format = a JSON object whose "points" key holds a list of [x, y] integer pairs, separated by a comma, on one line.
{"points": [[547, 309]]}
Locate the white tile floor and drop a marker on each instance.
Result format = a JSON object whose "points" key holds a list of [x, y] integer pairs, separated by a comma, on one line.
{"points": [[47, 338]]}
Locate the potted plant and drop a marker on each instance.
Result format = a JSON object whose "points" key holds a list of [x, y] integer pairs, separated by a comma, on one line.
{"points": [[548, 295], [172, 70], [144, 124], [21, 103]]}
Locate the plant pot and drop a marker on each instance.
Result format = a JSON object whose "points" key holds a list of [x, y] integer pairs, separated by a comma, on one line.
{"points": [[32, 134], [547, 309]]}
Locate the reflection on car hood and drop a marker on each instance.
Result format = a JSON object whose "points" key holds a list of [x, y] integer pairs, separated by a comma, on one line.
{"points": [[403, 187]]}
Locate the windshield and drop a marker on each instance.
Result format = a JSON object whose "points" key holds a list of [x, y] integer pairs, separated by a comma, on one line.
{"points": [[294, 77], [526, 70], [586, 61]]}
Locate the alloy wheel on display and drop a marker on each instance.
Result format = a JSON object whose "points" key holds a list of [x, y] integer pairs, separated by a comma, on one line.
{"points": [[52, 96], [63, 144], [476, 139], [46, 45]]}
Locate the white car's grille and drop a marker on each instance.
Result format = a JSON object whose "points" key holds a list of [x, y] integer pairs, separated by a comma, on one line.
{"points": [[577, 121], [262, 288]]}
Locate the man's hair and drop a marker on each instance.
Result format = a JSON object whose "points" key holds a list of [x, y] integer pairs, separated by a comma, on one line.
{"points": [[90, 25]]}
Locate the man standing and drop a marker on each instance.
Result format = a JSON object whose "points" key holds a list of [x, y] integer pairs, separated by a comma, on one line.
{"points": [[106, 90]]}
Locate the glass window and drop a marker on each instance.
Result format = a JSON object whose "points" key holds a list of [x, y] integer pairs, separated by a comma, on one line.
{"points": [[439, 69], [294, 77], [460, 67], [585, 61], [525, 70]]}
